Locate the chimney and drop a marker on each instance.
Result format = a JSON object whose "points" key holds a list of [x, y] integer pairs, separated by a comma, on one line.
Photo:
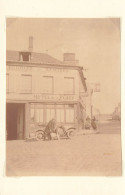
{"points": [[31, 43], [69, 59]]}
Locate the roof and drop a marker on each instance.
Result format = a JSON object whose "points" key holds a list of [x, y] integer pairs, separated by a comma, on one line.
{"points": [[35, 57], [42, 58]]}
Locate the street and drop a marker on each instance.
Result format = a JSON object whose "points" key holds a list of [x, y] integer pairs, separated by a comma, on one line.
{"points": [[110, 127], [83, 155]]}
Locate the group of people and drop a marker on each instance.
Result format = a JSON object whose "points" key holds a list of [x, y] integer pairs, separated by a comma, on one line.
{"points": [[90, 123], [51, 130]]}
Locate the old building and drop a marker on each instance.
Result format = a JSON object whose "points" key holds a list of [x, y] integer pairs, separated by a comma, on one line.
{"points": [[39, 88]]}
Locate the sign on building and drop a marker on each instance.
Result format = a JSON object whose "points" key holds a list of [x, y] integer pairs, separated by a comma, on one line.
{"points": [[96, 87]]}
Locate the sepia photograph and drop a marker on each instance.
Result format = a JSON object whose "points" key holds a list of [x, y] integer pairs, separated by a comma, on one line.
{"points": [[63, 97]]}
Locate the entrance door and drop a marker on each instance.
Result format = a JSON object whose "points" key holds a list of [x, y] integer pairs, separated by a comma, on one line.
{"points": [[15, 121]]}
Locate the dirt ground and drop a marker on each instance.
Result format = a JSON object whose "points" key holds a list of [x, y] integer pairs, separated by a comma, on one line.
{"points": [[86, 155]]}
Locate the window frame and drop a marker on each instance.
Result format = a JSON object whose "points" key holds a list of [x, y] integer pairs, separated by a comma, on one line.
{"points": [[69, 122], [26, 91], [73, 92], [64, 114], [52, 92], [35, 114], [54, 107], [22, 55]]}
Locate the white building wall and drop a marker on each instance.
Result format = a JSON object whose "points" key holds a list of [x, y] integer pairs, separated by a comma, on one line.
{"points": [[38, 74]]}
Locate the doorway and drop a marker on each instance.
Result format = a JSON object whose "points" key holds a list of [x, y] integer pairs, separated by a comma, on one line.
{"points": [[15, 121]]}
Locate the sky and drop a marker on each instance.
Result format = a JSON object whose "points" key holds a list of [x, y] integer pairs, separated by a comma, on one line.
{"points": [[96, 43]]}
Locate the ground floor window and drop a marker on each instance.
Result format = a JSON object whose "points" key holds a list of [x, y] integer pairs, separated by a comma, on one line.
{"points": [[39, 115], [32, 114], [69, 115], [60, 115], [50, 114], [42, 113]]}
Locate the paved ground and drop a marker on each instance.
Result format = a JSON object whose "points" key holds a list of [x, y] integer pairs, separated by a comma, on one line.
{"points": [[110, 127], [94, 154]]}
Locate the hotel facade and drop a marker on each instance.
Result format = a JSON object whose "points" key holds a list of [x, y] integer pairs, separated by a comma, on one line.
{"points": [[39, 88]]}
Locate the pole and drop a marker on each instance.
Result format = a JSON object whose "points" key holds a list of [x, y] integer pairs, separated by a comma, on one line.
{"points": [[91, 111]]}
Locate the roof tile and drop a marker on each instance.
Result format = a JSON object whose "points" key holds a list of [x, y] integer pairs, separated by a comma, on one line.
{"points": [[35, 57]]}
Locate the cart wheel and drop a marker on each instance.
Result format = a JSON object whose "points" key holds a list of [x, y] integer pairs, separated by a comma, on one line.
{"points": [[71, 133], [40, 135], [61, 131]]}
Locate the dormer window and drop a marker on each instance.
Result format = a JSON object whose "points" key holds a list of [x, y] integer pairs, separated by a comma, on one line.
{"points": [[25, 56]]}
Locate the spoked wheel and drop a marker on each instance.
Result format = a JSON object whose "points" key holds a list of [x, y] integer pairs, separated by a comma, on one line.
{"points": [[62, 132], [40, 135], [71, 133]]}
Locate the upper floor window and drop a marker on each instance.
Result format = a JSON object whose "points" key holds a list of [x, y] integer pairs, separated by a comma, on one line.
{"points": [[47, 85], [25, 56], [26, 83], [69, 85]]}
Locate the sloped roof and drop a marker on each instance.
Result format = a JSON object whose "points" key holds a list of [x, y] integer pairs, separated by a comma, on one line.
{"points": [[41, 58], [35, 57], [12, 55]]}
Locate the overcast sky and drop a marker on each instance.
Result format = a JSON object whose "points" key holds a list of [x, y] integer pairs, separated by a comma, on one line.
{"points": [[96, 43]]}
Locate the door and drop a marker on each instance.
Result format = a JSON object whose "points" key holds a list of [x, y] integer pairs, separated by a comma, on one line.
{"points": [[15, 121], [20, 122]]}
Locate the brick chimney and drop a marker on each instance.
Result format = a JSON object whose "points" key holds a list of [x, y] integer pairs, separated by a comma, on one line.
{"points": [[31, 43], [69, 59]]}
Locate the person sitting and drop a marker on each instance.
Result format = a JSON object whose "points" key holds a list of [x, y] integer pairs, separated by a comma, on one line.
{"points": [[51, 130], [88, 123], [93, 123]]}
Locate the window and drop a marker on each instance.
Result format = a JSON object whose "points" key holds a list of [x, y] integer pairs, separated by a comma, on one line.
{"points": [[60, 115], [59, 106], [32, 114], [47, 84], [50, 106], [7, 83], [69, 85], [69, 115], [50, 114], [69, 106], [26, 83], [39, 115], [25, 56]]}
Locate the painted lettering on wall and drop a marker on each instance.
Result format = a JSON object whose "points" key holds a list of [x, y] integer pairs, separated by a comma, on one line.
{"points": [[56, 70], [24, 68], [53, 97]]}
